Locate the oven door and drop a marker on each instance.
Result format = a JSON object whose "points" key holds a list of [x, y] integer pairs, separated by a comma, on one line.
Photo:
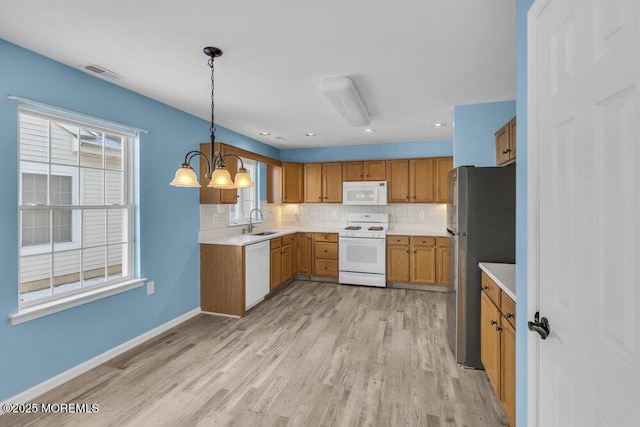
{"points": [[362, 255]]}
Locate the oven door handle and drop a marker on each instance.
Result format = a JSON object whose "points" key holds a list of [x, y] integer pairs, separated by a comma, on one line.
{"points": [[373, 240]]}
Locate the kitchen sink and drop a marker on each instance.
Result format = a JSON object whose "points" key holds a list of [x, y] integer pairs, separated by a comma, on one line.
{"points": [[264, 233]]}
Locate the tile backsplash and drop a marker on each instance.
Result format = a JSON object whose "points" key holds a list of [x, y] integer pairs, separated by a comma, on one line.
{"points": [[431, 215]]}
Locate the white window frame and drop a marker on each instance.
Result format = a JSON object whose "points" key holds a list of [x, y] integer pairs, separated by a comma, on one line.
{"points": [[28, 310], [256, 191]]}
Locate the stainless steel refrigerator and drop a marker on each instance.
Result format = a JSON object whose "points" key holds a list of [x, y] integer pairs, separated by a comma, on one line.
{"points": [[481, 217]]}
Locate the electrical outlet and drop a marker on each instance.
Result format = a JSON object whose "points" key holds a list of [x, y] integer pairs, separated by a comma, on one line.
{"points": [[215, 219], [421, 214], [150, 287], [218, 209]]}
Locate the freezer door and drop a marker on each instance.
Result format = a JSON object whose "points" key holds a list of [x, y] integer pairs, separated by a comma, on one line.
{"points": [[452, 204]]}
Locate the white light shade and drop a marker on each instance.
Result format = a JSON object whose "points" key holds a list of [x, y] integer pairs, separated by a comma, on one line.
{"points": [[243, 180], [221, 179], [342, 94], [185, 177]]}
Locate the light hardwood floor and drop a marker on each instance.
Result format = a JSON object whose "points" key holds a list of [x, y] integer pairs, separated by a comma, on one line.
{"points": [[315, 354]]}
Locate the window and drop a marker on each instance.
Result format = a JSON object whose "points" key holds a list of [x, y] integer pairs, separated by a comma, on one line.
{"points": [[247, 197], [75, 207]]}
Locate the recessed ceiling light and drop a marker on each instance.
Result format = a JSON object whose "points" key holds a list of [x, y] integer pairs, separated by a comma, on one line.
{"points": [[438, 125], [265, 133], [310, 134], [368, 130]]}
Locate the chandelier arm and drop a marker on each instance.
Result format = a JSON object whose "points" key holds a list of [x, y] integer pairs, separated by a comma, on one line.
{"points": [[192, 154], [237, 157]]}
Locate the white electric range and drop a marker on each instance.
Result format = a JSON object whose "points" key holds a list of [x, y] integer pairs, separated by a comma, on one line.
{"points": [[362, 250]]}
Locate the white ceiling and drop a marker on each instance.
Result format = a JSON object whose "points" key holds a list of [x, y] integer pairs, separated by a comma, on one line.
{"points": [[412, 61]]}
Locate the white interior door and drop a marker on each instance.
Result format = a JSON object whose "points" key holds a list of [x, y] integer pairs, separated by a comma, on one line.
{"points": [[584, 212]]}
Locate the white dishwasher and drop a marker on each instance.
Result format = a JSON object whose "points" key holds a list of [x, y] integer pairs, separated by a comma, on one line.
{"points": [[256, 272]]}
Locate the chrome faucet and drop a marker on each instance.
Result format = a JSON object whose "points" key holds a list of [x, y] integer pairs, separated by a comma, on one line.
{"points": [[250, 229]]}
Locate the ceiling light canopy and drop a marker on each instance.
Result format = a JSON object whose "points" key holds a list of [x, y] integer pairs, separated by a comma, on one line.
{"points": [[344, 97], [216, 169]]}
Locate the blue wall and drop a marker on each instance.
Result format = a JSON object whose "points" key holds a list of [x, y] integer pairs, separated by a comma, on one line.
{"points": [[398, 150], [474, 131], [169, 220], [522, 7]]}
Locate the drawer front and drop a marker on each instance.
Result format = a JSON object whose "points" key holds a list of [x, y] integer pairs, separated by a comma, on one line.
{"points": [[326, 267], [508, 308], [491, 288], [442, 241], [423, 241], [326, 250], [288, 240], [276, 243], [325, 237], [397, 240]]}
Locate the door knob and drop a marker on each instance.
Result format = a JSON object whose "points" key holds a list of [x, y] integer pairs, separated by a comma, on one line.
{"points": [[541, 326]]}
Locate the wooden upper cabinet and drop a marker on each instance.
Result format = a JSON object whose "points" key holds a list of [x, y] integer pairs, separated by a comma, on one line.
{"points": [[398, 181], [274, 184], [313, 182], [421, 180], [375, 170], [353, 171], [442, 166], [292, 182], [214, 195], [323, 182], [506, 143], [369, 170], [332, 182]]}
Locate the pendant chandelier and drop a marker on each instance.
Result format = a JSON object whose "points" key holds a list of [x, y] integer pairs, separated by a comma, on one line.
{"points": [[216, 169]]}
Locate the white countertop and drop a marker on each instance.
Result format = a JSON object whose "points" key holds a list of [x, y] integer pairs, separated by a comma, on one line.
{"points": [[503, 274], [206, 238]]}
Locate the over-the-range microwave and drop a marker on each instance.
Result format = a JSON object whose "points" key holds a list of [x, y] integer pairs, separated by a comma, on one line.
{"points": [[364, 193]]}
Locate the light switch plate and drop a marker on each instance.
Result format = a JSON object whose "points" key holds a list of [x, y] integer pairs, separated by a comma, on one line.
{"points": [[421, 214], [151, 287]]}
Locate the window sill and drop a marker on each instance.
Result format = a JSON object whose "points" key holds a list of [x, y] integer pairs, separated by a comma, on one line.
{"points": [[36, 311]]}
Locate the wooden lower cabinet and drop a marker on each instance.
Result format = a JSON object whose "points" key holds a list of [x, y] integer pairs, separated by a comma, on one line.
{"points": [[325, 254], [304, 253], [283, 260], [498, 343], [490, 340], [508, 371], [222, 288], [418, 260]]}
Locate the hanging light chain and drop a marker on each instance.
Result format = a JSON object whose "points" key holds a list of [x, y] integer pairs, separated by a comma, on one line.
{"points": [[212, 129]]}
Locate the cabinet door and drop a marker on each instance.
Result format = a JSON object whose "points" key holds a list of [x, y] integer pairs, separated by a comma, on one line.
{"points": [[353, 171], [375, 170], [512, 139], [332, 182], [275, 268], [230, 196], [274, 184], [398, 181], [222, 287], [442, 266], [508, 370], [313, 182], [287, 262], [293, 182], [421, 182], [442, 167], [502, 145], [490, 340], [305, 245], [398, 263], [423, 264]]}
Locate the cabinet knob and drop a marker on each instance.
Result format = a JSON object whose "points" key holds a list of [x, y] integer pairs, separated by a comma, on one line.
{"points": [[484, 288], [415, 252], [493, 322], [508, 150], [319, 197], [407, 251], [509, 315], [498, 328]]}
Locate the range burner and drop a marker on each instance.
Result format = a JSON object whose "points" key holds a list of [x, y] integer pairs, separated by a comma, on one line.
{"points": [[375, 228], [353, 227]]}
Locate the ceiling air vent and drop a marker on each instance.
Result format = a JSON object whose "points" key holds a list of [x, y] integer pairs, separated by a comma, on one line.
{"points": [[102, 72]]}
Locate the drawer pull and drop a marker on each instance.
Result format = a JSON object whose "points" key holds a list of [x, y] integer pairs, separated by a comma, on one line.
{"points": [[498, 328], [493, 322]]}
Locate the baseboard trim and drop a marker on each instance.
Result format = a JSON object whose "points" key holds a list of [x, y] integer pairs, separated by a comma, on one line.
{"points": [[83, 367]]}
